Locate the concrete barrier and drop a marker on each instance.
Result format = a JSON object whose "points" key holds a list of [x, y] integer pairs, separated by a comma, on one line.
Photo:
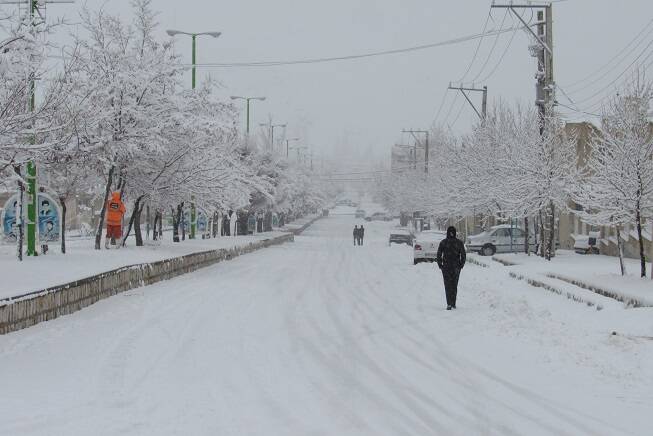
{"points": [[26, 310]]}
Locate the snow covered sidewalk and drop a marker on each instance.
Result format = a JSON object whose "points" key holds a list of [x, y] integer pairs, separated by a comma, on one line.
{"points": [[590, 273], [81, 260]]}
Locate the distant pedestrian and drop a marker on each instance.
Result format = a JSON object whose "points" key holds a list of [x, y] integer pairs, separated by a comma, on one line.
{"points": [[356, 233], [115, 212], [362, 235], [451, 260]]}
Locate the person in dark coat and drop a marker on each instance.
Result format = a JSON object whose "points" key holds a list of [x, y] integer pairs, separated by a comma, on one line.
{"points": [[356, 235], [451, 259], [361, 233]]}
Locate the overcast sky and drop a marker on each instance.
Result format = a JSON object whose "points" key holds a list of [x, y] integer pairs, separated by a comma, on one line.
{"points": [[362, 105]]}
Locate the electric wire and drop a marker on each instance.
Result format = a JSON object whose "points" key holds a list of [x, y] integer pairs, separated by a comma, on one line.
{"points": [[453, 41], [478, 47], [623, 52], [494, 46], [601, 91], [507, 49]]}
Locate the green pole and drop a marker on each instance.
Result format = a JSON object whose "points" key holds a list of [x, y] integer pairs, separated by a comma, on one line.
{"points": [[193, 212], [31, 166], [194, 59], [248, 99]]}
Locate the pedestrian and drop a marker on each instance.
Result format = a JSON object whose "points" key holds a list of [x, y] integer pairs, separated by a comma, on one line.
{"points": [[451, 259], [362, 235], [356, 235], [115, 212]]}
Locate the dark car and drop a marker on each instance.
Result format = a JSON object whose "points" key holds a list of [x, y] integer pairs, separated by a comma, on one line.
{"points": [[401, 238]]}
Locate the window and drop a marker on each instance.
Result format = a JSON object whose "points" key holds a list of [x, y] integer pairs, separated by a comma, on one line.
{"points": [[518, 233], [502, 233]]}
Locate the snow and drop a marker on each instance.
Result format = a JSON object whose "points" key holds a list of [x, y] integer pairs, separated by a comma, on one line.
{"points": [[320, 337], [82, 260], [594, 270]]}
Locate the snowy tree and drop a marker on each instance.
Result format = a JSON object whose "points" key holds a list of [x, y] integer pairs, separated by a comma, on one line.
{"points": [[617, 187]]}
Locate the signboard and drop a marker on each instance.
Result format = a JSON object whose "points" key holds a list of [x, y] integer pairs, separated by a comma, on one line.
{"points": [[9, 224], [251, 223], [202, 222], [49, 219]]}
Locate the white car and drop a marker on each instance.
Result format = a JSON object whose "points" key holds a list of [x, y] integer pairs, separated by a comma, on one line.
{"points": [[499, 239], [425, 247]]}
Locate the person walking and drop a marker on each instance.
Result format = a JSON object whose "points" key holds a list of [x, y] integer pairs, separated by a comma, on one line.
{"points": [[361, 232], [356, 235], [451, 260], [115, 211]]}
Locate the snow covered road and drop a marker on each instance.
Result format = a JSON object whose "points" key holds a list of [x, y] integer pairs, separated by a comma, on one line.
{"points": [[323, 338]]}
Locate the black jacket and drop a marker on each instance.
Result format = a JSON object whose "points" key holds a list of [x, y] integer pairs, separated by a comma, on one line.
{"points": [[451, 252]]}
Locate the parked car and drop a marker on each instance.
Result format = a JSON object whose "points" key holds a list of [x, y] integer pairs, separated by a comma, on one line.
{"points": [[587, 244], [360, 213], [425, 247], [378, 216], [498, 239], [401, 237]]}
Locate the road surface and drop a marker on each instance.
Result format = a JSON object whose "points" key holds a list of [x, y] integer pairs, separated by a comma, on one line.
{"points": [[319, 337]]}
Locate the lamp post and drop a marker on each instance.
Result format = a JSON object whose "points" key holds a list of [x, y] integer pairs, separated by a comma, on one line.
{"points": [[272, 126], [287, 145], [247, 99], [172, 33]]}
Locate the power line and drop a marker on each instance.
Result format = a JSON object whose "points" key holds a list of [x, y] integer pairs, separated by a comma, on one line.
{"points": [[622, 53], [353, 57], [601, 91], [505, 52], [494, 46], [478, 47]]}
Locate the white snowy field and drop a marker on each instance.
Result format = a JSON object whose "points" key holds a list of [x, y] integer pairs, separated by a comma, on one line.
{"points": [[323, 338], [82, 260]]}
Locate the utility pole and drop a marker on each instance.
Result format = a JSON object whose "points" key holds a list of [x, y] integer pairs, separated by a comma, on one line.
{"points": [[483, 113], [545, 96], [543, 51], [426, 147]]}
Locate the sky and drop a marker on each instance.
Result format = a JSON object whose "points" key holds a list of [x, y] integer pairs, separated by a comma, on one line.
{"points": [[353, 111]]}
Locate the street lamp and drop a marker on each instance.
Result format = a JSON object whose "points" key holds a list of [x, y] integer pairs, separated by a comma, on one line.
{"points": [[272, 126], [288, 143], [247, 99], [172, 33]]}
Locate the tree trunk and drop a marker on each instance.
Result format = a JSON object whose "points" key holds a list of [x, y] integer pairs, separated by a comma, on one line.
{"points": [[155, 233], [137, 224], [551, 249], [107, 189], [176, 220], [131, 222], [183, 223], [642, 256], [148, 222], [541, 229], [527, 245], [62, 200], [19, 215], [620, 248]]}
